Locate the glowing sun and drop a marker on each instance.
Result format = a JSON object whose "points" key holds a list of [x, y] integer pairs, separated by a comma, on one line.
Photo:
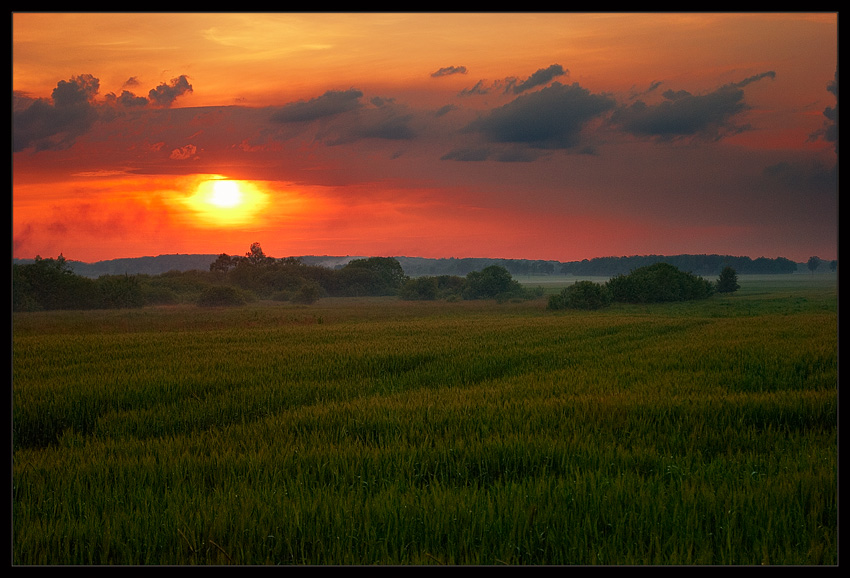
{"points": [[225, 194], [223, 202]]}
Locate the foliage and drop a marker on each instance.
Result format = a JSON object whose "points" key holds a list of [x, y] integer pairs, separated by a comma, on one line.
{"points": [[221, 296], [493, 282], [429, 288], [372, 276], [308, 293], [581, 295], [658, 283], [813, 263], [700, 264], [49, 284], [728, 281]]}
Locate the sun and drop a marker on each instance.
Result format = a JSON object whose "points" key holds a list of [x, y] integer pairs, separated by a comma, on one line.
{"points": [[223, 202], [225, 194]]}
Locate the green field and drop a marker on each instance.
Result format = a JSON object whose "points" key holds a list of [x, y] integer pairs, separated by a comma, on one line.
{"points": [[381, 431]]}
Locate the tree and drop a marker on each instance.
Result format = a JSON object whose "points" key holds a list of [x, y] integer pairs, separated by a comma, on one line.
{"points": [[221, 296], [256, 256], [372, 276], [813, 263], [728, 281], [490, 283], [581, 295], [223, 263], [657, 283]]}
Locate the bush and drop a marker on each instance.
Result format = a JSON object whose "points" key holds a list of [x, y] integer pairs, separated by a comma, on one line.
{"points": [[728, 281], [658, 283], [493, 282], [581, 295], [221, 296], [308, 293]]}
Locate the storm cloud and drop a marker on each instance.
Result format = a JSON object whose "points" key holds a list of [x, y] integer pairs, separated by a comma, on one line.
{"points": [[72, 110], [540, 78], [164, 95], [55, 124], [683, 114], [551, 118], [448, 71], [331, 103]]}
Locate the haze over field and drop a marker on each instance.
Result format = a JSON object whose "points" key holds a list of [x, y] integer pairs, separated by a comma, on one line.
{"points": [[530, 136]]}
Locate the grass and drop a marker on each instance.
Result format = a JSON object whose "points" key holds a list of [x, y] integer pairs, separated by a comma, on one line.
{"points": [[378, 431]]}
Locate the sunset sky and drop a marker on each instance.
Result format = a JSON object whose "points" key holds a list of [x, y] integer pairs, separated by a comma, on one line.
{"points": [[561, 136]]}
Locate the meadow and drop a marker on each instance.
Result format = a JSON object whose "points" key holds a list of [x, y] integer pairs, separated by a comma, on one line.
{"points": [[386, 432]]}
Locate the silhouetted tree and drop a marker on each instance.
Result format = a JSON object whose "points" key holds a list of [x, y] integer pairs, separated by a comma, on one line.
{"points": [[223, 263], [813, 263], [657, 283], [581, 295], [728, 281]]}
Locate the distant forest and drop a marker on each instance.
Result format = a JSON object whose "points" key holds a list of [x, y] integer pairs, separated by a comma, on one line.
{"points": [[705, 265]]}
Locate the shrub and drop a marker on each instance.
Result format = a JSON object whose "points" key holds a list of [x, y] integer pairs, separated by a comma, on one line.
{"points": [[493, 282], [308, 293], [728, 281], [656, 283], [221, 296], [581, 295]]}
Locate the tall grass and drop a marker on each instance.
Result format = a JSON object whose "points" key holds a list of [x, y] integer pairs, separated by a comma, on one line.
{"points": [[374, 431]]}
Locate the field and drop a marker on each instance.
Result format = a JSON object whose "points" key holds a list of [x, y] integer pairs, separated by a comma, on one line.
{"points": [[378, 431]]}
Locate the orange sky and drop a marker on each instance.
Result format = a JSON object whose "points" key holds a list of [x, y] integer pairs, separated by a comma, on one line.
{"points": [[541, 136]]}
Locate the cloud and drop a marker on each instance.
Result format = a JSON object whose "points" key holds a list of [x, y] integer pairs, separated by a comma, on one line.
{"points": [[55, 124], [164, 95], [448, 71], [539, 78], [769, 74], [72, 110], [443, 110], [829, 132], [385, 120], [184, 153], [551, 118], [512, 85], [128, 99], [331, 103], [683, 114], [479, 88]]}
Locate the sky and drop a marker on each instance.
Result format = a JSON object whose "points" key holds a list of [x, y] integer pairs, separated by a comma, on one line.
{"points": [[556, 136]]}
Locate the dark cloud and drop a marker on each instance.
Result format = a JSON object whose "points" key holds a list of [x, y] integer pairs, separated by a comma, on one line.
{"points": [[128, 99], [513, 85], [549, 118], [830, 131], [164, 95], [331, 103], [686, 115], [769, 74], [675, 94], [541, 77], [479, 88], [55, 124], [443, 110], [467, 154], [449, 70], [386, 121]]}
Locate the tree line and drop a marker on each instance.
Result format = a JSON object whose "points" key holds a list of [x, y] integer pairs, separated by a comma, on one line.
{"points": [[656, 283], [48, 284]]}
